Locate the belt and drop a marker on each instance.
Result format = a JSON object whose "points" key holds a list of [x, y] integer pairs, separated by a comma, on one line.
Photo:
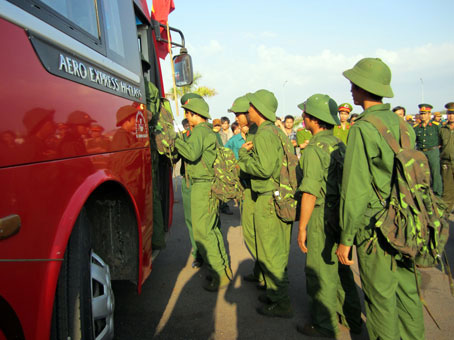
{"points": [[428, 149], [266, 193], [201, 180]]}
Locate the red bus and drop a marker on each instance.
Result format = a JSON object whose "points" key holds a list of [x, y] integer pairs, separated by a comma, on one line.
{"points": [[76, 209]]}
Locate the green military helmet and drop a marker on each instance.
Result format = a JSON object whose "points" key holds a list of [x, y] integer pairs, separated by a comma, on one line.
{"points": [[449, 107], [345, 107], [189, 95], [197, 105], [423, 108], [240, 105], [265, 102], [322, 107], [372, 75]]}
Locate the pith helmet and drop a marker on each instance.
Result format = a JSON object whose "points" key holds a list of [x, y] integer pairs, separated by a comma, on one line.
{"points": [[80, 118], [321, 106], [265, 102], [197, 105], [125, 112], [240, 105], [372, 75], [187, 96]]}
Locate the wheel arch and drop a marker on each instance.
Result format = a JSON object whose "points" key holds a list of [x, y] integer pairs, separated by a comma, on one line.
{"points": [[99, 194]]}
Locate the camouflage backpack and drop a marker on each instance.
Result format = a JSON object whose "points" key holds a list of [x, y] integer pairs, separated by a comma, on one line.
{"points": [[286, 200], [414, 220], [226, 183], [165, 131]]}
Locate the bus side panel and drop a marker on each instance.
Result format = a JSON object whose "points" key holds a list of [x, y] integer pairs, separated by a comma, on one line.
{"points": [[45, 163]]}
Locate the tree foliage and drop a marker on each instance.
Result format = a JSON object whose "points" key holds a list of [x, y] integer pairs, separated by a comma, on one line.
{"points": [[200, 90]]}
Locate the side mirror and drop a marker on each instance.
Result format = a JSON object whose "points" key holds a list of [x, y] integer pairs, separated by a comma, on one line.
{"points": [[183, 68]]}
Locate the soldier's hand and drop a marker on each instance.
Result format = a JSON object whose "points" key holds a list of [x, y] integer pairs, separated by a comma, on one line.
{"points": [[248, 146], [342, 253], [302, 236]]}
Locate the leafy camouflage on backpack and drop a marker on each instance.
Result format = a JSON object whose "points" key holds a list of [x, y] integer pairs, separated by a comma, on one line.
{"points": [[414, 220], [226, 184], [286, 201], [165, 131]]}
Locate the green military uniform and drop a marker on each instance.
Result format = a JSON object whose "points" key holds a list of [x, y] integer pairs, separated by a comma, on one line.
{"points": [[272, 234], [393, 306], [428, 141], [247, 215], [241, 106], [186, 187], [159, 227], [447, 160], [302, 135], [329, 283], [342, 133], [200, 152]]}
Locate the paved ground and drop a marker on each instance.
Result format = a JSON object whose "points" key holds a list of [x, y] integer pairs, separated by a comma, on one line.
{"points": [[173, 304]]}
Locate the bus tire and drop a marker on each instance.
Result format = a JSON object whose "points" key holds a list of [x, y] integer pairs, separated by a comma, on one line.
{"points": [[84, 300]]}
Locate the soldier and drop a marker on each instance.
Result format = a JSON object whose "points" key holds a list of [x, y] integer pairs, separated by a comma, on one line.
{"points": [[303, 136], [436, 119], [428, 141], [447, 157], [262, 159], [200, 152], [341, 131], [240, 108], [393, 305], [186, 189], [329, 284]]}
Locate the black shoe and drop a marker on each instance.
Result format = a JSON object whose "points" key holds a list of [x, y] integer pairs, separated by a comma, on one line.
{"points": [[197, 263], [217, 282], [264, 299], [250, 278], [310, 330], [277, 309]]}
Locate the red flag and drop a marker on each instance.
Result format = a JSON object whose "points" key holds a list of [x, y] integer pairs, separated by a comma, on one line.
{"points": [[160, 11]]}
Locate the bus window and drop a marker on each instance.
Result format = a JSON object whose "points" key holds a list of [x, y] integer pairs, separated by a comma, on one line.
{"points": [[121, 34], [81, 12]]}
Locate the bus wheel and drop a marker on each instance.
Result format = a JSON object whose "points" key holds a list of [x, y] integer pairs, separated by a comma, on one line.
{"points": [[84, 300]]}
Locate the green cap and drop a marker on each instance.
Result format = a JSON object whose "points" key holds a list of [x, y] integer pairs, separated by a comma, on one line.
{"points": [[345, 107], [197, 105], [240, 105], [321, 106], [187, 96], [372, 75], [265, 102], [450, 107]]}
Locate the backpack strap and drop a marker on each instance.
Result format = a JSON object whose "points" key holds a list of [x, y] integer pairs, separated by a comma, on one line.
{"points": [[388, 136]]}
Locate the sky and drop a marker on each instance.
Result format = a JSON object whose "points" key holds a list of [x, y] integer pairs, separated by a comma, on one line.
{"points": [[296, 48]]}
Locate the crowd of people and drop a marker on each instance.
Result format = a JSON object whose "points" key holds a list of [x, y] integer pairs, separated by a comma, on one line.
{"points": [[344, 162]]}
